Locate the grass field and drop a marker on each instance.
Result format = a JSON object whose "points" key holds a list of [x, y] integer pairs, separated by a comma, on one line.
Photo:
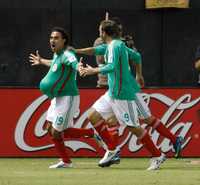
{"points": [[35, 171]]}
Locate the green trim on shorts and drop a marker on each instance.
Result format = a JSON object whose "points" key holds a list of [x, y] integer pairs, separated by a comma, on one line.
{"points": [[131, 112], [66, 120]]}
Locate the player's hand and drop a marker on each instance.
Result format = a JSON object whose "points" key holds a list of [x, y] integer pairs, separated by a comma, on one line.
{"points": [[88, 70], [35, 59], [140, 80], [80, 64]]}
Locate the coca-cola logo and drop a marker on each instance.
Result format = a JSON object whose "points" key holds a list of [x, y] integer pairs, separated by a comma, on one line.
{"points": [[175, 110]]}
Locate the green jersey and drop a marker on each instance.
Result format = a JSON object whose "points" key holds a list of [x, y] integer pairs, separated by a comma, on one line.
{"points": [[61, 77], [122, 85]]}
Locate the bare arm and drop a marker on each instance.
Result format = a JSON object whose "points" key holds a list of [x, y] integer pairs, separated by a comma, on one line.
{"points": [[88, 70], [36, 59], [138, 70], [139, 76], [85, 51], [197, 64]]}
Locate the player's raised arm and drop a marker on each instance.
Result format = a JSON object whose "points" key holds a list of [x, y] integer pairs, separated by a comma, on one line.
{"points": [[36, 59]]}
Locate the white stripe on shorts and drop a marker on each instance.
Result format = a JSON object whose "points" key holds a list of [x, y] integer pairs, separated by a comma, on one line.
{"points": [[142, 106]]}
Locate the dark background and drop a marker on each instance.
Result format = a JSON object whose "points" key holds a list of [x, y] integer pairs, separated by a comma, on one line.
{"points": [[166, 38]]}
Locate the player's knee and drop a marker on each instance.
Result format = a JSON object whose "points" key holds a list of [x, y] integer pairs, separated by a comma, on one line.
{"points": [[94, 116], [150, 120], [54, 133], [112, 121], [47, 126], [138, 131]]}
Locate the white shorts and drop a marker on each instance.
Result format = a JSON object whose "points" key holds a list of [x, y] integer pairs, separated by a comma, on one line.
{"points": [[125, 111], [143, 110], [61, 111]]}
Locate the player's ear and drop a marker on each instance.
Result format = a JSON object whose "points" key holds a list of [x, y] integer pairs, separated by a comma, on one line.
{"points": [[64, 41]]}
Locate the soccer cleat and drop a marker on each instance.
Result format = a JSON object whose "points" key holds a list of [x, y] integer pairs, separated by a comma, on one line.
{"points": [[61, 164], [116, 158], [110, 157], [156, 162], [177, 146]]}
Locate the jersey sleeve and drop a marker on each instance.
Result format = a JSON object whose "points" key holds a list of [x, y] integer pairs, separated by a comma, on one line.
{"points": [[134, 56], [113, 57], [100, 49], [70, 60]]}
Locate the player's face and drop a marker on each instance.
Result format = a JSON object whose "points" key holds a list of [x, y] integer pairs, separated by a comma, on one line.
{"points": [[101, 33], [56, 41]]}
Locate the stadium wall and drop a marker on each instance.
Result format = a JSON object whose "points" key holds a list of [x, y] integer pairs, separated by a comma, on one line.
{"points": [[166, 38]]}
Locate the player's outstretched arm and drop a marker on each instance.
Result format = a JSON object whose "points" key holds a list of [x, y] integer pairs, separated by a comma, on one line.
{"points": [[197, 64], [85, 51], [36, 59], [88, 70]]}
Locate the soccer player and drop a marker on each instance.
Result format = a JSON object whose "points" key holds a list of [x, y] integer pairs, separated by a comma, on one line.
{"points": [[60, 86], [119, 100], [144, 111], [102, 79]]}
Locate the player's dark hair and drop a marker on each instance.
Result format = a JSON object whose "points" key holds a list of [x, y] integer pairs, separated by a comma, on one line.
{"points": [[110, 28], [118, 21], [128, 40], [64, 34]]}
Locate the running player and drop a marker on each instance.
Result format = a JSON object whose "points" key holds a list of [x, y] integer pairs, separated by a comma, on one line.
{"points": [[144, 111], [60, 86], [119, 100]]}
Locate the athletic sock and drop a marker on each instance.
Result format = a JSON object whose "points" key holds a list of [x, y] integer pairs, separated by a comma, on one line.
{"points": [[61, 150], [107, 137], [164, 131], [113, 130], [150, 146]]}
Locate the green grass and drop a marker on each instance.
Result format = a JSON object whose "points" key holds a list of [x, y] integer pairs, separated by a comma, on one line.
{"points": [[131, 171]]}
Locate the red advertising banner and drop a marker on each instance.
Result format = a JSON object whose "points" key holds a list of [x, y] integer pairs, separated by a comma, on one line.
{"points": [[23, 113]]}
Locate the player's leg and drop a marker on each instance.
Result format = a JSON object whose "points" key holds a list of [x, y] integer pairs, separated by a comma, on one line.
{"points": [[71, 132], [156, 124], [58, 116], [101, 126], [100, 112], [113, 129], [126, 113], [111, 151], [58, 141]]}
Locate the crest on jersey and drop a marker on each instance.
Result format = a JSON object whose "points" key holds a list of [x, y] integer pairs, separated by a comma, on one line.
{"points": [[54, 68]]}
